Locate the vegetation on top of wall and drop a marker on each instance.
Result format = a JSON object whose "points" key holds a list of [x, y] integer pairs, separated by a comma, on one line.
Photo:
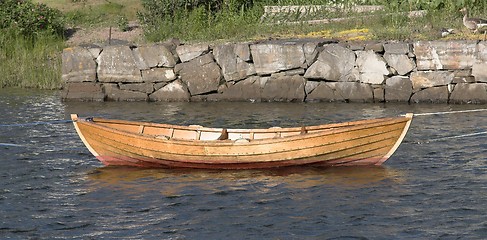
{"points": [[209, 20]]}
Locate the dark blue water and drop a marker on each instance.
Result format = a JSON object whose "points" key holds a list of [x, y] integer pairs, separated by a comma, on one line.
{"points": [[52, 188]]}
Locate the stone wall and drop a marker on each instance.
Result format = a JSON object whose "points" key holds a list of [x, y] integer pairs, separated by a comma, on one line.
{"points": [[279, 70]]}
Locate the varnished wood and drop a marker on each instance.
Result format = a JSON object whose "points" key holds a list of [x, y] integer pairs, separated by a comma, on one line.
{"points": [[118, 142]]}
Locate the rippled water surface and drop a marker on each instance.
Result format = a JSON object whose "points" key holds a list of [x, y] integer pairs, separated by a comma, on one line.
{"points": [[434, 187]]}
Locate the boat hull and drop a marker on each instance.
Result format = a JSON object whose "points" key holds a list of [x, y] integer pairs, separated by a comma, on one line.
{"points": [[139, 144]]}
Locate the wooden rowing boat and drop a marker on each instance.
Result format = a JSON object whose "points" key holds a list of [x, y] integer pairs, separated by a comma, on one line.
{"points": [[143, 144]]}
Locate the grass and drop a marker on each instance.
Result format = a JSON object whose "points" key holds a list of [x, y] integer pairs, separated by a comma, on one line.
{"points": [[29, 63], [95, 13], [200, 26]]}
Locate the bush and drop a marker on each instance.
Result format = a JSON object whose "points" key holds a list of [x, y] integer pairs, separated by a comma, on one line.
{"points": [[29, 18]]}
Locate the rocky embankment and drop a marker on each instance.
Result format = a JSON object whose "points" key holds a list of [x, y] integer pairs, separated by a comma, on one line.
{"points": [[279, 70]]}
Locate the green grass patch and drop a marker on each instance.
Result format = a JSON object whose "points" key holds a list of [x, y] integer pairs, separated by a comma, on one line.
{"points": [[30, 62]]}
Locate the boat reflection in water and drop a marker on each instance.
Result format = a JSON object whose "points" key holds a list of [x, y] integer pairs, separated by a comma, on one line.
{"points": [[174, 181]]}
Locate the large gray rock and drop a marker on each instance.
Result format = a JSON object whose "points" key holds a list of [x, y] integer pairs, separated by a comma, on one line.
{"points": [[400, 62], [372, 67], [117, 64], [190, 52], [201, 75], [398, 48], [173, 92], [334, 63], [243, 51], [469, 93], [340, 91], [422, 80], [311, 50], [282, 88], [233, 67], [158, 75], [83, 91], [273, 57], [431, 95], [246, 90], [447, 55], [137, 87], [479, 71], [482, 51], [354, 91], [114, 93], [320, 92], [78, 65], [154, 56], [398, 89]]}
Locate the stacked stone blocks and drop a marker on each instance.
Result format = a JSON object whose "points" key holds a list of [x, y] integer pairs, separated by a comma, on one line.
{"points": [[298, 70]]}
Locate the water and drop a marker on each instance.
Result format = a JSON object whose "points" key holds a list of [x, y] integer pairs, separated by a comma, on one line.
{"points": [[52, 188]]}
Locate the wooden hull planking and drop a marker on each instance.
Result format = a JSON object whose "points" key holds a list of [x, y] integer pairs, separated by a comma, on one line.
{"points": [[366, 142]]}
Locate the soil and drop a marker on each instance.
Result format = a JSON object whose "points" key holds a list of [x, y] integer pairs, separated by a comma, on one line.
{"points": [[101, 35]]}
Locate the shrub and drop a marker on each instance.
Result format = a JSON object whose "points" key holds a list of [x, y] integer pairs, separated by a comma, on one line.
{"points": [[30, 18]]}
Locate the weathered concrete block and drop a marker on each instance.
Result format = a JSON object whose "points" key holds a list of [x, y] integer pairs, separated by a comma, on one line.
{"points": [[431, 95], [246, 90], [334, 63], [451, 55], [137, 87], [273, 57], [158, 75], [78, 65], [398, 48], [233, 67], [201, 75], [398, 89], [173, 92], [114, 93], [190, 52], [422, 80], [372, 67], [282, 88], [117, 64], [469, 93], [154, 56], [400, 62], [83, 91], [479, 71]]}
